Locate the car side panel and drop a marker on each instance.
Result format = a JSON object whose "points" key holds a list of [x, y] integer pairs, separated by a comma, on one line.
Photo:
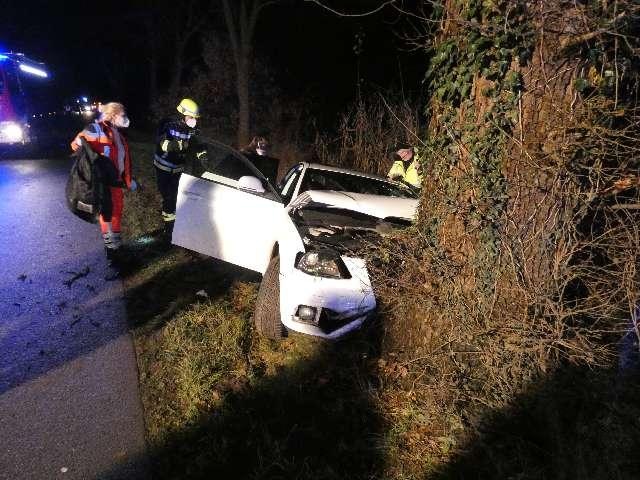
{"points": [[227, 223]]}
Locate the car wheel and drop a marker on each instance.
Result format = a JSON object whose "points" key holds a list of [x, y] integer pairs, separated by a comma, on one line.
{"points": [[267, 312]]}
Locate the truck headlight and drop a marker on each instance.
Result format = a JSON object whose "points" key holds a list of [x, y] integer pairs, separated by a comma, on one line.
{"points": [[11, 131], [323, 263]]}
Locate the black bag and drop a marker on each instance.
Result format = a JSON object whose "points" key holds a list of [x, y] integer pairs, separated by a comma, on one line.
{"points": [[87, 191]]}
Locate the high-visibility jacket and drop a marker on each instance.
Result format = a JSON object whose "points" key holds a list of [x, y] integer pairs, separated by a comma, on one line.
{"points": [[105, 139], [409, 174]]}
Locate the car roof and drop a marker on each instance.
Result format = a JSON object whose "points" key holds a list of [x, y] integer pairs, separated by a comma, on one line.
{"points": [[320, 166]]}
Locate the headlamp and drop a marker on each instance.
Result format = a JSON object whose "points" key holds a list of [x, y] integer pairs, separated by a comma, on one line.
{"points": [[11, 132], [323, 263]]}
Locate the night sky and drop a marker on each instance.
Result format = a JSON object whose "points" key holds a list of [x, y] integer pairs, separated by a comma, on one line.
{"points": [[308, 50]]}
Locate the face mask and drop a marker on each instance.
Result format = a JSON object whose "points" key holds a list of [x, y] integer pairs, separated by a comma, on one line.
{"points": [[406, 154], [191, 122], [122, 121], [261, 151]]}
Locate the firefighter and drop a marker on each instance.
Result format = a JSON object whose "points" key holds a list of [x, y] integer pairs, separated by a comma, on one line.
{"points": [[406, 165], [258, 153], [175, 146], [105, 137]]}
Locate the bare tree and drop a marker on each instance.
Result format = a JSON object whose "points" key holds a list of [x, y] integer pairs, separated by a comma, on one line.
{"points": [[189, 21], [241, 17]]}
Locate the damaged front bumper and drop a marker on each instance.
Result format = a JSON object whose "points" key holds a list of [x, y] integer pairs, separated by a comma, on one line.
{"points": [[326, 307]]}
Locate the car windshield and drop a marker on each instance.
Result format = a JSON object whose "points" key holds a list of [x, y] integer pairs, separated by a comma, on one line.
{"points": [[316, 179]]}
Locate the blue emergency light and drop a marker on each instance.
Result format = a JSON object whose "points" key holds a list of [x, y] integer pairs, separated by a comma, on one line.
{"points": [[33, 70], [24, 64]]}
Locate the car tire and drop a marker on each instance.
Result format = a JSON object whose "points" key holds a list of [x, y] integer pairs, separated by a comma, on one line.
{"points": [[266, 315]]}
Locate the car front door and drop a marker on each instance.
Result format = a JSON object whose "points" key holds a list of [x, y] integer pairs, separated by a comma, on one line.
{"points": [[226, 209]]}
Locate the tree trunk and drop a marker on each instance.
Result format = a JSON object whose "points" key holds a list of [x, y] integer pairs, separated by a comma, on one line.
{"points": [[153, 46], [153, 78], [244, 107], [506, 124], [241, 22], [524, 138], [176, 71]]}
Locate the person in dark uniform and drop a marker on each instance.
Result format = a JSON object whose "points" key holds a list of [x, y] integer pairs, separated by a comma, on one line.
{"points": [[175, 145], [258, 153]]}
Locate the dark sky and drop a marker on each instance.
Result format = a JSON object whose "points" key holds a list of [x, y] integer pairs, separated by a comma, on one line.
{"points": [[309, 49], [316, 48]]}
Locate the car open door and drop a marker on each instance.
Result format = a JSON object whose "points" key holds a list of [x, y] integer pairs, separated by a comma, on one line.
{"points": [[228, 210]]}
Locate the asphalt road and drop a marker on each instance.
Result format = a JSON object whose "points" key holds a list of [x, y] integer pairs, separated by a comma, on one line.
{"points": [[69, 401]]}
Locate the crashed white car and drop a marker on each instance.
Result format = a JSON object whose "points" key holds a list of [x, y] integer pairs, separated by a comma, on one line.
{"points": [[299, 235]]}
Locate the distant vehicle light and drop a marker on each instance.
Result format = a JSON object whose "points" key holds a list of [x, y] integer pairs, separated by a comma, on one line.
{"points": [[33, 70], [84, 99], [3, 58], [11, 132]]}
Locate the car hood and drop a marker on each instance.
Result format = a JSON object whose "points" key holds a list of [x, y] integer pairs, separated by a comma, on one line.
{"points": [[375, 205]]}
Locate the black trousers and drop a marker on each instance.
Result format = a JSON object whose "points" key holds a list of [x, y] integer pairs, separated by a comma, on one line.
{"points": [[168, 187]]}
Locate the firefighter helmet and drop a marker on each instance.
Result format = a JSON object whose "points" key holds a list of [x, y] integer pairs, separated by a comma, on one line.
{"points": [[189, 108]]}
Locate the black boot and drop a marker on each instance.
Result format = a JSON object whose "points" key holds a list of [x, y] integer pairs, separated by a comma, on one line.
{"points": [[113, 263], [111, 254], [167, 233]]}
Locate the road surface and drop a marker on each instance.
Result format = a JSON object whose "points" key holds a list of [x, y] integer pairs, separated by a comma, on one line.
{"points": [[69, 401]]}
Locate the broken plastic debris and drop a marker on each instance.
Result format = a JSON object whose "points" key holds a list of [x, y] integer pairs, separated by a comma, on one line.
{"points": [[64, 469], [202, 293]]}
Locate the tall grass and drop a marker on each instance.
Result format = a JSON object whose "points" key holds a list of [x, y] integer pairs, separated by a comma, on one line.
{"points": [[367, 132]]}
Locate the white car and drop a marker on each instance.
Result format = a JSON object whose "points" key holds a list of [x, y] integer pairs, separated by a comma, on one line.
{"points": [[299, 236]]}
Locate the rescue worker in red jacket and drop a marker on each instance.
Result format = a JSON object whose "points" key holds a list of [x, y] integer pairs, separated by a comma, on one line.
{"points": [[105, 137]]}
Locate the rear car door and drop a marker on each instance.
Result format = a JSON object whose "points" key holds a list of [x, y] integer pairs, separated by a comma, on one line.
{"points": [[227, 209]]}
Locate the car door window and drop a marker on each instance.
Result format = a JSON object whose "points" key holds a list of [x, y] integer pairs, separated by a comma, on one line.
{"points": [[218, 163], [289, 183]]}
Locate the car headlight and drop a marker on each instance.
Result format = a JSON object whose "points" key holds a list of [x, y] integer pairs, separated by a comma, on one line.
{"points": [[11, 131], [323, 263]]}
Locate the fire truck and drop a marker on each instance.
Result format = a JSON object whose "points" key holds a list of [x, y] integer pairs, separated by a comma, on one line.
{"points": [[21, 86]]}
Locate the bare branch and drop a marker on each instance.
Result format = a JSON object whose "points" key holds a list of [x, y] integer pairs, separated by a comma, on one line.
{"points": [[340, 14]]}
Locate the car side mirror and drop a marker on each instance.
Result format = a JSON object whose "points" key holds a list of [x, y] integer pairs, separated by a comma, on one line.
{"points": [[250, 184]]}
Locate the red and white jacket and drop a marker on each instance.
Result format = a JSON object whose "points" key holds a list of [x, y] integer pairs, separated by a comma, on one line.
{"points": [[103, 139]]}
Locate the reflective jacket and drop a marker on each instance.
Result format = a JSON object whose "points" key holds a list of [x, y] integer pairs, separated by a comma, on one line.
{"points": [[107, 140], [410, 174], [175, 145]]}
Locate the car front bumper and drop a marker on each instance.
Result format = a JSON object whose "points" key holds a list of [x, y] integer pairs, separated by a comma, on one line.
{"points": [[333, 307]]}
